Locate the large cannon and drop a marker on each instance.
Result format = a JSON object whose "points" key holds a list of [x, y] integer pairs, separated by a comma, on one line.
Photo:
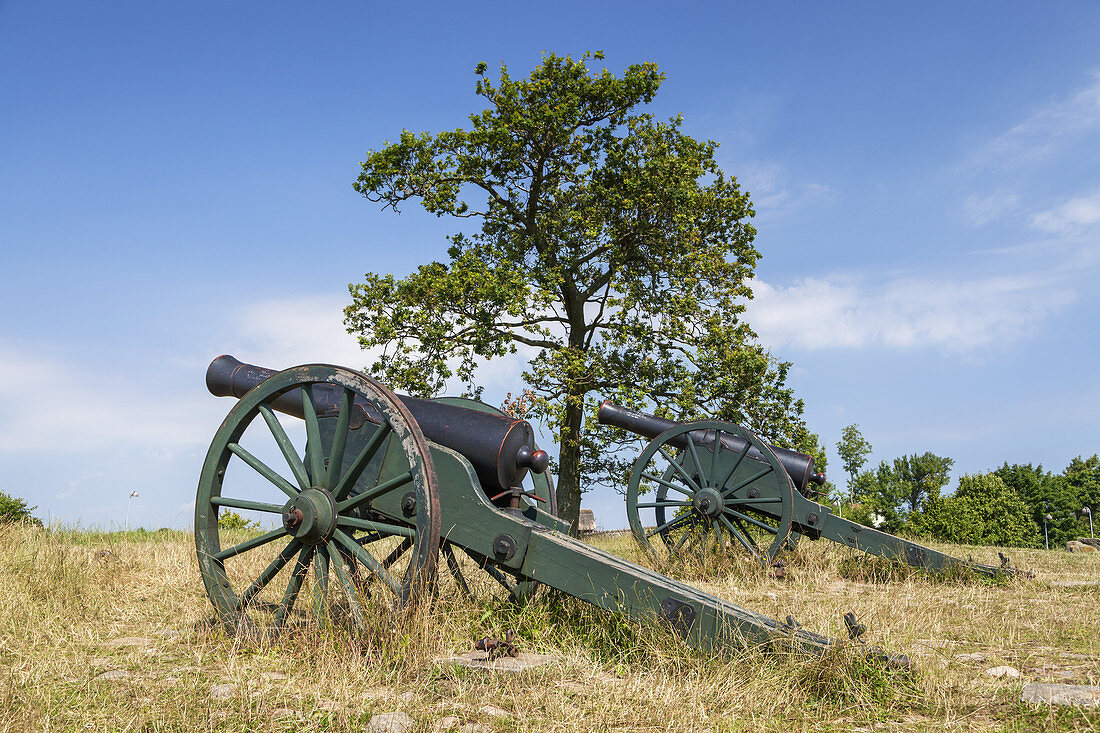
{"points": [[381, 486], [708, 483]]}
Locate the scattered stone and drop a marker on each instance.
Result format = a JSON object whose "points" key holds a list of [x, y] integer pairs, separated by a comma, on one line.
{"points": [[286, 714], [1074, 583], [448, 723], [130, 641], [114, 675], [1003, 672], [1084, 696], [398, 722], [223, 692], [480, 660], [168, 633], [972, 657], [101, 662], [407, 696], [1075, 546], [273, 676], [327, 706], [1094, 541], [773, 596], [471, 728], [494, 712]]}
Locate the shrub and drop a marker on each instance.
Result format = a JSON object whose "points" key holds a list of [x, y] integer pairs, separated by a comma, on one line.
{"points": [[15, 510], [982, 511], [229, 519]]}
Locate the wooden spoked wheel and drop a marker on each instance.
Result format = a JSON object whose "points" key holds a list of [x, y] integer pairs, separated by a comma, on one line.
{"points": [[696, 489], [342, 503]]}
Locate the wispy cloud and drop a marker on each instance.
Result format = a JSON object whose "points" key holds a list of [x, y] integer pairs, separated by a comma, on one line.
{"points": [[774, 194], [905, 313], [1046, 131], [1075, 217]]}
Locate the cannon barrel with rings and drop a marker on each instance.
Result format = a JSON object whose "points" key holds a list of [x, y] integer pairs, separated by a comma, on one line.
{"points": [[359, 491], [704, 486]]}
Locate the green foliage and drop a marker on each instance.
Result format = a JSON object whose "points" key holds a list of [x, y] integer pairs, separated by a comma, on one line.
{"points": [[613, 253], [917, 478], [1060, 496], [982, 511], [853, 449], [15, 510], [229, 519]]}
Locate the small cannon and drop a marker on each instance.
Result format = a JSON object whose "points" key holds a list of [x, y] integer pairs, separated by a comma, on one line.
{"points": [[385, 484], [714, 482]]}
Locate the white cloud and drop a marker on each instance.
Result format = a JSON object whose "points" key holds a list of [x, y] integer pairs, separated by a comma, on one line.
{"points": [[1046, 131], [906, 313], [983, 209], [1071, 218]]}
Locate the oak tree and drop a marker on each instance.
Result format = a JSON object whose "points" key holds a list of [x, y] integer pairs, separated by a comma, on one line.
{"points": [[610, 251]]}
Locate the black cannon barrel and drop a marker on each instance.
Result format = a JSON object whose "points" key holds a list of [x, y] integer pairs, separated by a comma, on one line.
{"points": [[501, 449], [799, 466]]}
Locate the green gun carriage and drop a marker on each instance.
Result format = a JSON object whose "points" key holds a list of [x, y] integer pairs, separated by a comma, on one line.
{"points": [[366, 489]]}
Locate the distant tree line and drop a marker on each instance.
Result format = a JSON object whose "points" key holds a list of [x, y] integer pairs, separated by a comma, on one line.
{"points": [[1005, 506]]}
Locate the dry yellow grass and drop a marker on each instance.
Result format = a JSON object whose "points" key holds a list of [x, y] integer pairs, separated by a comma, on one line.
{"points": [[65, 597]]}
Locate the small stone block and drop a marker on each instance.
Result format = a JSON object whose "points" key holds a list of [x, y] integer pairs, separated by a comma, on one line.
{"points": [[114, 675], [223, 692], [480, 660], [1083, 696], [494, 712], [1003, 672], [972, 657], [397, 722]]}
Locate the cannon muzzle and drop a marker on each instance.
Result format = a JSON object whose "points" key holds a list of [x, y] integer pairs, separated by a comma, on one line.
{"points": [[501, 449], [799, 466]]}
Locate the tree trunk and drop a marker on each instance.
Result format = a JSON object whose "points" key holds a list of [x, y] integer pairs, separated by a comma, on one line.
{"points": [[569, 463]]}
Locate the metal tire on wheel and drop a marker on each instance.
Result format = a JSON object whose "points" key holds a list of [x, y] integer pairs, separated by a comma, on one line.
{"points": [[361, 495], [707, 494]]}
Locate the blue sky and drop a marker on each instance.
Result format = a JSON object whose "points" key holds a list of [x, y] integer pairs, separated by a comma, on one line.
{"points": [[175, 183]]}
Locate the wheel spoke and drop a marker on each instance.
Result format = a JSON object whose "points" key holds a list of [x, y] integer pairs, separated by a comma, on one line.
{"points": [[360, 463], [680, 544], [715, 447], [740, 457], [320, 587], [313, 438], [668, 484], [760, 500], [747, 481], [670, 524], [269, 573], [251, 544], [396, 482], [339, 440], [662, 504], [754, 522], [294, 585], [383, 527], [288, 450], [679, 469], [256, 506], [344, 577], [263, 469], [368, 559], [695, 459], [745, 541], [456, 570]]}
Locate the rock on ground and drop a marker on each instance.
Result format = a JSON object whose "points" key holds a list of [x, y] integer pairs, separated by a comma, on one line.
{"points": [[1003, 672], [494, 712], [223, 692], [1084, 696], [480, 660], [397, 722], [1075, 546]]}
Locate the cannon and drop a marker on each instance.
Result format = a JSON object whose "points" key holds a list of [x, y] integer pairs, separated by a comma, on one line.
{"points": [[709, 483], [359, 512]]}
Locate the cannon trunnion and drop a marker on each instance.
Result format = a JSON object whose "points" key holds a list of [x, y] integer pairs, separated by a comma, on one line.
{"points": [[367, 503]]}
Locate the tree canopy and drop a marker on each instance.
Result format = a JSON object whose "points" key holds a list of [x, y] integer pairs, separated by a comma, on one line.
{"points": [[853, 449], [612, 253]]}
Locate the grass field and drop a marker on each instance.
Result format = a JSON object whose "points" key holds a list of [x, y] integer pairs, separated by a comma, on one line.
{"points": [[72, 603]]}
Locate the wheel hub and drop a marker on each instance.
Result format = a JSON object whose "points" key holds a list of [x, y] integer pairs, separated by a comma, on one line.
{"points": [[311, 516], [708, 502]]}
